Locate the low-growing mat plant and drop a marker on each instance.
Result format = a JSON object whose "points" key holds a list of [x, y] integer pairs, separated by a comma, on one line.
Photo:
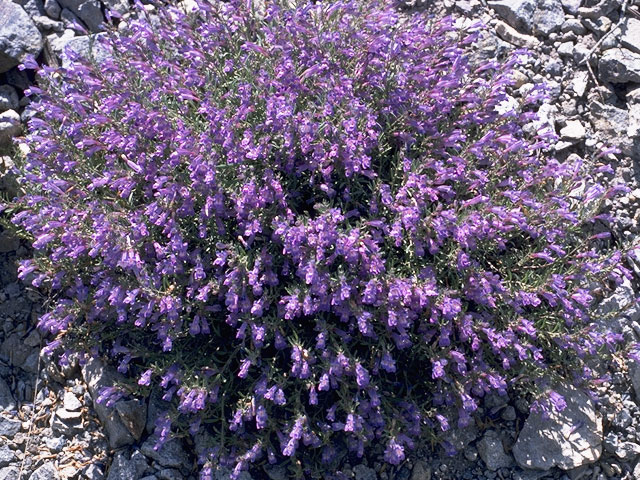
{"points": [[314, 227]]}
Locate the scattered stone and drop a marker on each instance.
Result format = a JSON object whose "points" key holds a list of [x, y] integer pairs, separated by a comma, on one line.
{"points": [[53, 9], [517, 13], [6, 455], [7, 401], [548, 17], [171, 454], [627, 451], [630, 37], [45, 472], [509, 414], [364, 473], [87, 46], [573, 132], [567, 439], [71, 402], [511, 35], [89, 11], [169, 474], [8, 98], [66, 422], [10, 125], [566, 49], [579, 83], [421, 471], [122, 468], [19, 36], [492, 452], [9, 427], [134, 416], [55, 444], [619, 65], [9, 473], [571, 6]]}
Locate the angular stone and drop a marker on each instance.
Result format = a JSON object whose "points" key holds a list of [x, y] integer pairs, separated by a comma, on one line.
{"points": [[571, 6], [53, 9], [86, 46], [7, 401], [573, 132], [88, 11], [9, 427], [567, 439], [9, 473], [634, 121], [171, 454], [492, 452], [511, 35], [630, 34], [134, 416], [19, 36], [6, 455], [579, 83], [421, 471], [10, 126], [8, 98], [548, 17], [47, 471], [122, 468], [97, 376], [71, 402], [619, 65], [517, 13]]}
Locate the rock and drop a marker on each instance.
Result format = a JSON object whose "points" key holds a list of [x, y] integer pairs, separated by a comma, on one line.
{"points": [[96, 375], [10, 126], [55, 444], [43, 22], [567, 439], [134, 416], [509, 414], [517, 13], [8, 98], [9, 427], [364, 473], [573, 25], [71, 402], [6, 455], [19, 36], [573, 132], [276, 472], [548, 17], [169, 474], [571, 6], [511, 35], [634, 121], [45, 472], [66, 423], [123, 468], [611, 125], [120, 6], [421, 471], [171, 454], [565, 49], [94, 472], [86, 46], [89, 11], [9, 473], [627, 451], [53, 9], [630, 34], [7, 401], [492, 452], [459, 438], [579, 83], [619, 65]]}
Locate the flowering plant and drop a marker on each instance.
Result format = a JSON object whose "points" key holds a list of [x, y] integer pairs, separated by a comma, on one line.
{"points": [[311, 225]]}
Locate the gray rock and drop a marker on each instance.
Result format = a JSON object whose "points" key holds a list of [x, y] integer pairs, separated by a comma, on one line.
{"points": [[94, 472], [459, 438], [122, 468], [55, 444], [571, 6], [6, 455], [171, 454], [276, 472], [120, 6], [633, 131], [573, 25], [66, 422], [87, 46], [573, 132], [11, 126], [627, 451], [619, 65], [43, 22], [548, 17], [492, 452], [223, 473], [133, 415], [96, 375], [579, 83], [611, 125], [71, 402], [517, 13], [9, 427], [7, 401], [19, 36], [8, 98], [53, 9], [364, 473], [47, 471], [170, 474], [9, 473], [567, 439], [514, 37], [421, 471], [89, 11], [630, 34]]}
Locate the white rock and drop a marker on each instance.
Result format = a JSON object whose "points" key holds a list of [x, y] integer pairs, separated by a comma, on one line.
{"points": [[634, 121], [630, 37], [71, 402], [517, 13], [574, 131], [19, 36], [567, 439], [579, 83], [619, 65], [10, 126], [511, 35], [8, 98]]}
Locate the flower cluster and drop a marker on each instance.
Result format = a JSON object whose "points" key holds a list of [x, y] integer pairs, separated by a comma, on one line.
{"points": [[309, 225]]}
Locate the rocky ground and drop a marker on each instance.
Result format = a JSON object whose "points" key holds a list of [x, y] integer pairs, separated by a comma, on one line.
{"points": [[588, 53]]}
